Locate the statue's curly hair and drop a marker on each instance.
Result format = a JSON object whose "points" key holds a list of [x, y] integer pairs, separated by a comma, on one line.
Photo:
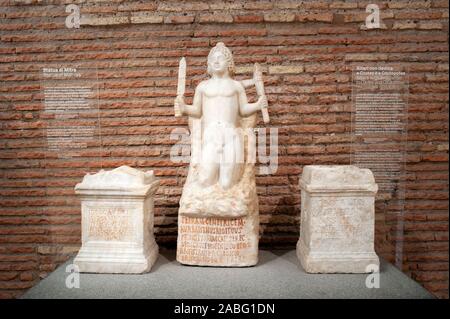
{"points": [[220, 46]]}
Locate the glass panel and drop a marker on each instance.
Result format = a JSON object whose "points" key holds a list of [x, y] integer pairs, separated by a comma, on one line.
{"points": [[73, 147], [379, 136]]}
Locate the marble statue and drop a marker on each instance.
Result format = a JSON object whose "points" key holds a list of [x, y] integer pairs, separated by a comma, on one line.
{"points": [[218, 215]]}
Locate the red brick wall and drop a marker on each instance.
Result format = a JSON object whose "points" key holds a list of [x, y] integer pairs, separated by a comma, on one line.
{"points": [[307, 48]]}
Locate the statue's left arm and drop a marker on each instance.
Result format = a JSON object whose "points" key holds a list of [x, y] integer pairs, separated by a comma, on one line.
{"points": [[245, 108]]}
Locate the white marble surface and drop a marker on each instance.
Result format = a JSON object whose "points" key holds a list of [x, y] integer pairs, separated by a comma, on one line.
{"points": [[337, 219], [221, 180], [117, 221]]}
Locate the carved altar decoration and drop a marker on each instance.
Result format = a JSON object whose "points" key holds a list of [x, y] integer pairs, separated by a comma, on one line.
{"points": [[218, 221], [117, 221]]}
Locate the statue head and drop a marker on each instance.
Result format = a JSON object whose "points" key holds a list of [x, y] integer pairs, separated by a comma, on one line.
{"points": [[219, 55]]}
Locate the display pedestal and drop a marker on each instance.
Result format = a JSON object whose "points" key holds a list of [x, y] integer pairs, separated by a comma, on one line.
{"points": [[278, 274]]}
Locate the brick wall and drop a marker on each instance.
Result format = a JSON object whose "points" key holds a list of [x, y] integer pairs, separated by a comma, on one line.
{"points": [[307, 50]]}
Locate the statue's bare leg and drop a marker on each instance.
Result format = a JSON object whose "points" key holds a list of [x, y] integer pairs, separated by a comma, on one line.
{"points": [[208, 174], [232, 150], [209, 168]]}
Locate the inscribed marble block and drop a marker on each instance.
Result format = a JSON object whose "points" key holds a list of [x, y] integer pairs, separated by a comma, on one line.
{"points": [[117, 221], [337, 219]]}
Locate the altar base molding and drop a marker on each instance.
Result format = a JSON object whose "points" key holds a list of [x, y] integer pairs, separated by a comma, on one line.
{"points": [[117, 222], [337, 220]]}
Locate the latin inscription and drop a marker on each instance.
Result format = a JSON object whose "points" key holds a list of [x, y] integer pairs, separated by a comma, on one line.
{"points": [[212, 240], [110, 223]]}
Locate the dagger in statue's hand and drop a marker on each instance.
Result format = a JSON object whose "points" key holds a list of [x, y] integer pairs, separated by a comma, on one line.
{"points": [[181, 86]]}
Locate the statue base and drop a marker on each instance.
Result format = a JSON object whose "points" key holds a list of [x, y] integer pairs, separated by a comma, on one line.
{"points": [[223, 242]]}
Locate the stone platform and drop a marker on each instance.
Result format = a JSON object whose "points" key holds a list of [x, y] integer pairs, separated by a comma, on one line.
{"points": [[278, 274]]}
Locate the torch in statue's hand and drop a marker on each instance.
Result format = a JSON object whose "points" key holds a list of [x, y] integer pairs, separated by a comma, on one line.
{"points": [[263, 102], [259, 84]]}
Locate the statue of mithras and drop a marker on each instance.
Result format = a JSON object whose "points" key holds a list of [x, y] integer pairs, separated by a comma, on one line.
{"points": [[220, 190]]}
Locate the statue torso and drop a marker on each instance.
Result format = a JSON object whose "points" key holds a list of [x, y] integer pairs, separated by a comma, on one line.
{"points": [[220, 102]]}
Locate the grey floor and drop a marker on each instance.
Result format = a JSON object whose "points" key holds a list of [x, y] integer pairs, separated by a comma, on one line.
{"points": [[277, 275]]}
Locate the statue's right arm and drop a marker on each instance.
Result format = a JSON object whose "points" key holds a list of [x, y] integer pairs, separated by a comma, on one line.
{"points": [[194, 110]]}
